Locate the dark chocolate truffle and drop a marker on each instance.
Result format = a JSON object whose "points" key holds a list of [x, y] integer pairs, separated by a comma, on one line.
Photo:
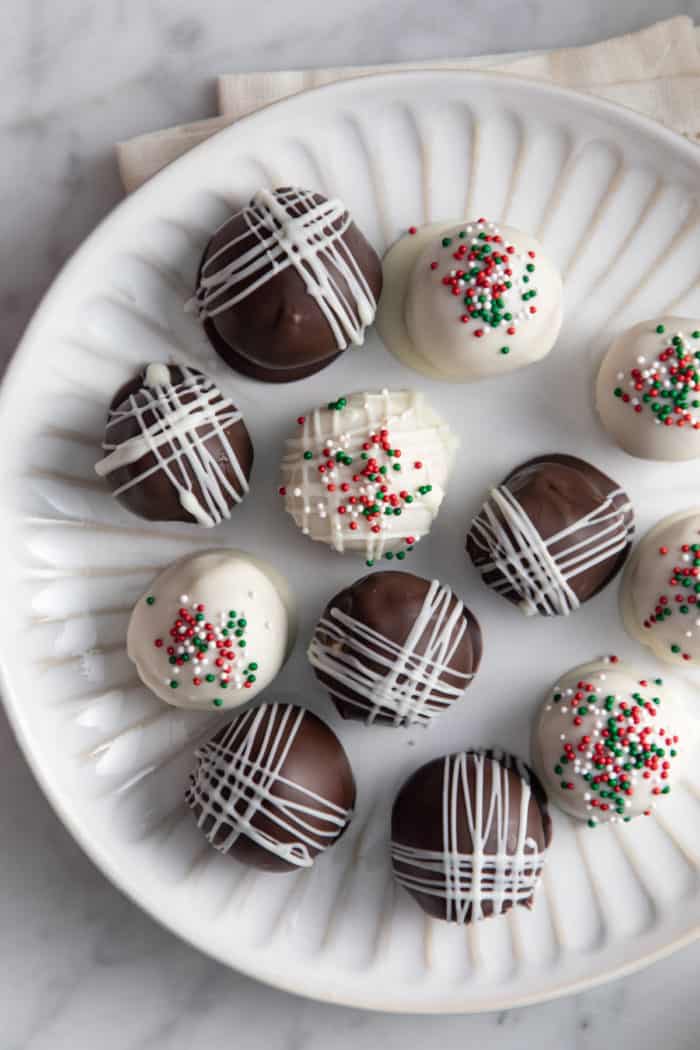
{"points": [[468, 835], [287, 284], [395, 648], [176, 448], [552, 535], [273, 788]]}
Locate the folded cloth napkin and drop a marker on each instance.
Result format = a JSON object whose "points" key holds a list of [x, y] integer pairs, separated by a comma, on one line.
{"points": [[655, 71]]}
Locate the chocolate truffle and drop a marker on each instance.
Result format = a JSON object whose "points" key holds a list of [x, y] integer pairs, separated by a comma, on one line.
{"points": [[273, 788], [176, 448], [552, 535], [599, 747], [660, 594], [395, 648], [212, 630], [368, 472], [469, 300], [648, 389], [468, 835], [286, 284]]}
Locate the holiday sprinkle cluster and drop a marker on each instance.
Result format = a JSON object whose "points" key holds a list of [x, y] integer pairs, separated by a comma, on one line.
{"points": [[668, 387], [612, 743], [684, 597], [367, 484], [208, 648], [491, 279]]}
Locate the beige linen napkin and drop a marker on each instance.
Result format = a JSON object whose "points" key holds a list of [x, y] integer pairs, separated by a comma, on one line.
{"points": [[655, 71]]}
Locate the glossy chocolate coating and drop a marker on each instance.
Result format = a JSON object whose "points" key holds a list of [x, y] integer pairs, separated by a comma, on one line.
{"points": [[314, 767], [150, 492], [388, 604], [555, 492], [418, 821], [278, 333]]}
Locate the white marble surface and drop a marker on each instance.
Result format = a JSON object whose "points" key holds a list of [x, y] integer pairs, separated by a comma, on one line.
{"points": [[81, 965]]}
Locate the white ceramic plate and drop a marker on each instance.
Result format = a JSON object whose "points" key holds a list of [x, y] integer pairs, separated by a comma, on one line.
{"points": [[613, 198]]}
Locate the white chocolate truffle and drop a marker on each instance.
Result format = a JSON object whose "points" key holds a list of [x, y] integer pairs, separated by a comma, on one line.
{"points": [[605, 743], [368, 472], [648, 389], [212, 630], [469, 300], [660, 595]]}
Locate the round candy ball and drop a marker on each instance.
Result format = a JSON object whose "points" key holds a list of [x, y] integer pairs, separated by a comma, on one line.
{"points": [[552, 535], [605, 742], [273, 788], [468, 835], [212, 630], [395, 648], [660, 595], [469, 300], [176, 447], [367, 473], [647, 392], [286, 284]]}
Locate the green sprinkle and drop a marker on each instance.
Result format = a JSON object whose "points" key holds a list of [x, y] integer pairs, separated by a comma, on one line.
{"points": [[242, 623], [174, 684], [675, 648], [389, 555], [210, 677], [308, 455], [446, 242], [505, 349], [396, 466], [218, 702], [252, 667], [369, 563], [242, 643], [660, 329]]}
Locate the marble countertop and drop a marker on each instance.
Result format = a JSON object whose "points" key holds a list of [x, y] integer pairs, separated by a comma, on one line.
{"points": [[82, 965]]}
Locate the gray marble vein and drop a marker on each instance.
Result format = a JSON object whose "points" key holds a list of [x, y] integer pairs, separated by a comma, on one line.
{"points": [[83, 967]]}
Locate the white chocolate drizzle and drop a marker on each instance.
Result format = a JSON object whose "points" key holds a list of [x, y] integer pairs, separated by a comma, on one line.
{"points": [[177, 421], [328, 504], [412, 688], [290, 228], [504, 865], [235, 785], [541, 570]]}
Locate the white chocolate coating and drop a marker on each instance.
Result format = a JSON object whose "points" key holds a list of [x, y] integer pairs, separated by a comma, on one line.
{"points": [[575, 723], [327, 504], [661, 606], [650, 411], [222, 581], [420, 319]]}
